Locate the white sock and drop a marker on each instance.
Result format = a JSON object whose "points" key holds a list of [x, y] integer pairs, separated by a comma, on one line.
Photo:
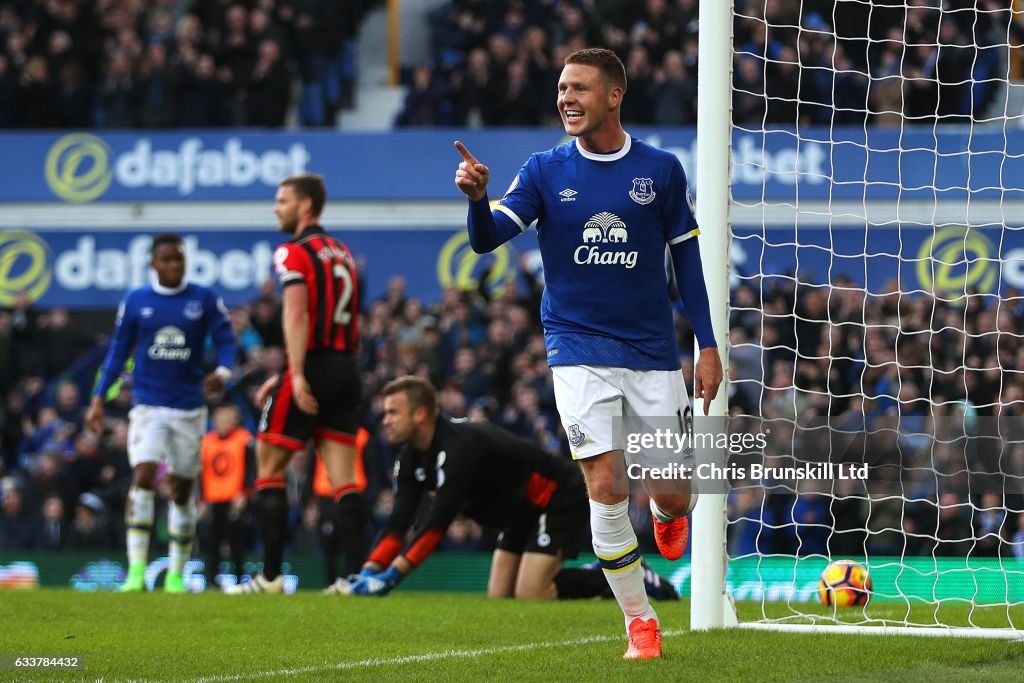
{"points": [[181, 529], [664, 517], [616, 548], [658, 514], [138, 518]]}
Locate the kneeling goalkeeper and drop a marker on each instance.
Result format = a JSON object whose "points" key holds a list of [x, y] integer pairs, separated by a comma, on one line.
{"points": [[484, 472]]}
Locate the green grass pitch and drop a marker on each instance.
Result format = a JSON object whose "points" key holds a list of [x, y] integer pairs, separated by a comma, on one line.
{"points": [[430, 636]]}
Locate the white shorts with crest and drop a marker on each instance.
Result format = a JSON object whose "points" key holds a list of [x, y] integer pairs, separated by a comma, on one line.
{"points": [[600, 405], [159, 434]]}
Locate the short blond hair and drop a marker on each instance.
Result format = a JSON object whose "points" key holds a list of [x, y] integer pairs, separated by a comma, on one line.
{"points": [[606, 61], [419, 391]]}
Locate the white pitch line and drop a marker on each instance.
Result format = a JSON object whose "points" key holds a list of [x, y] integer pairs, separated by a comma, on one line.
{"points": [[413, 659]]}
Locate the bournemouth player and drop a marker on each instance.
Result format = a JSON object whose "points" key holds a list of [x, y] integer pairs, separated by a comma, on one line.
{"points": [[318, 395], [166, 323], [607, 206], [498, 479]]}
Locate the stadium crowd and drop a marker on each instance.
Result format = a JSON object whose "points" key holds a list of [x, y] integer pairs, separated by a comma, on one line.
{"points": [[176, 63], [797, 352], [924, 389], [910, 362], [497, 63], [211, 63]]}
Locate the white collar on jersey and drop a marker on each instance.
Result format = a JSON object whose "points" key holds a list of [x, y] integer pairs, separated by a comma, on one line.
{"points": [[169, 291], [606, 157]]}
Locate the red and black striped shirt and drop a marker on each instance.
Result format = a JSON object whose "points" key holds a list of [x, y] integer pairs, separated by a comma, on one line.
{"points": [[328, 270]]}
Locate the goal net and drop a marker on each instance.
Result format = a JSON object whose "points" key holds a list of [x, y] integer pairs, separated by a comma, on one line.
{"points": [[876, 317]]}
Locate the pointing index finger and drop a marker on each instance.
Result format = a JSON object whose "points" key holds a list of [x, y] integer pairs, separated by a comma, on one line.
{"points": [[470, 159]]}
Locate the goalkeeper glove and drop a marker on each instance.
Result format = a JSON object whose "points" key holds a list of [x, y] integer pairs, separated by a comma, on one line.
{"points": [[377, 584], [363, 573]]}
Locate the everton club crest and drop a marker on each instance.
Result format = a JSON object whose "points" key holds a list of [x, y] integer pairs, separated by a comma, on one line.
{"points": [[193, 309], [643, 191]]}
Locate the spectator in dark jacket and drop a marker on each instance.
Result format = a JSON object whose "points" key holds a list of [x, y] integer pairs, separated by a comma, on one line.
{"points": [[422, 102], [119, 94], [52, 529], [17, 525], [90, 528], [269, 88]]}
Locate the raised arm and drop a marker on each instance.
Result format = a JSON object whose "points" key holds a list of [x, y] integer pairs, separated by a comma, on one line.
{"points": [[472, 176], [485, 234]]}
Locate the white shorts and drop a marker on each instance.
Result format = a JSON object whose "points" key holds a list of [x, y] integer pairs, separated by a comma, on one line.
{"points": [[591, 398], [158, 434]]}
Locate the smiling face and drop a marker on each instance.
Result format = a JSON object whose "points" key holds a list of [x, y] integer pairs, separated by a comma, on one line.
{"points": [[586, 100]]}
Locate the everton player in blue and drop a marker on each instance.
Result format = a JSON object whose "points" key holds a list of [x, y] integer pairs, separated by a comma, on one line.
{"points": [[166, 324], [606, 206]]}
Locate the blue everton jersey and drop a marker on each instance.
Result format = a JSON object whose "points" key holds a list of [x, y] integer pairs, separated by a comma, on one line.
{"points": [[167, 329], [603, 223]]}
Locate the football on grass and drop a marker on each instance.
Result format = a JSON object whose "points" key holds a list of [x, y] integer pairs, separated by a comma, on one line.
{"points": [[844, 583]]}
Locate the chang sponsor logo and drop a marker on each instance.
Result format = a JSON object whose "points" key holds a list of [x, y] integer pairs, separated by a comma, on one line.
{"points": [[169, 343], [604, 228], [81, 167]]}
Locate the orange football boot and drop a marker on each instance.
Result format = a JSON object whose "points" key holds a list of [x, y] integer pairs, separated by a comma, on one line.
{"points": [[672, 537], [644, 640]]}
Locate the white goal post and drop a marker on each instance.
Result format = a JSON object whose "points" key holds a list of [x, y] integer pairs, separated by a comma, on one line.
{"points": [[710, 605], [954, 245]]}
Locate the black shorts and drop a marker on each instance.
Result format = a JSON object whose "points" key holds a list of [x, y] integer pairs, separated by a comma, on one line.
{"points": [[334, 380], [560, 527]]}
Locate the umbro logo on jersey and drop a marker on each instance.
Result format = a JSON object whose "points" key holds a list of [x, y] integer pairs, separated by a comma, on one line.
{"points": [[643, 191], [568, 194], [146, 312]]}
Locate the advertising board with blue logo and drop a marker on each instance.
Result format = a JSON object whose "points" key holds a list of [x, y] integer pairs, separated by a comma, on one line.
{"points": [[60, 264], [816, 163], [948, 261], [79, 270]]}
